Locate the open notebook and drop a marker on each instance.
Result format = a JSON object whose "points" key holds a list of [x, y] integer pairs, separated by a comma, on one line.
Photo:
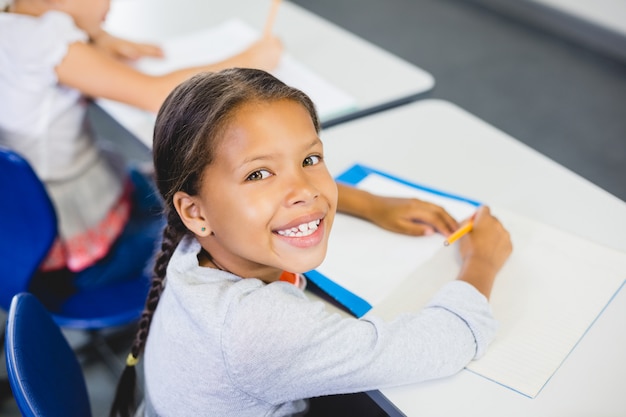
{"points": [[551, 290], [356, 269], [215, 44]]}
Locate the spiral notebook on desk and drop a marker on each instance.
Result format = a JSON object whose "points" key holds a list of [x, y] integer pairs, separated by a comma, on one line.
{"points": [[550, 291]]}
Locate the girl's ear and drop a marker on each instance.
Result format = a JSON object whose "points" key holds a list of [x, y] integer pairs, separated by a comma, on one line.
{"points": [[191, 214]]}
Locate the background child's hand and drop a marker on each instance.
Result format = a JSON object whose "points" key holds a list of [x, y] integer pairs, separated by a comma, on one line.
{"points": [[124, 49], [484, 251], [264, 54]]}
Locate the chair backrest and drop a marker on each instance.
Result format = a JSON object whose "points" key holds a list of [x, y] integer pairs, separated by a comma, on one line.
{"points": [[28, 225], [44, 374]]}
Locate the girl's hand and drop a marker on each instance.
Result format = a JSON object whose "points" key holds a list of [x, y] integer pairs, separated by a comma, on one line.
{"points": [[123, 49], [410, 216], [484, 251]]}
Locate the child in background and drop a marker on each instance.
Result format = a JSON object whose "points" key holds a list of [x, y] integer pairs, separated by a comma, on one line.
{"points": [[247, 195], [53, 56]]}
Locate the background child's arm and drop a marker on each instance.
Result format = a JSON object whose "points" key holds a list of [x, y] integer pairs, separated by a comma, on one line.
{"points": [[401, 215], [99, 75], [124, 49]]}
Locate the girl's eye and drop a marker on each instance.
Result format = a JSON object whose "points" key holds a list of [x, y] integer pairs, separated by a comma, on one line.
{"points": [[261, 174], [312, 160]]}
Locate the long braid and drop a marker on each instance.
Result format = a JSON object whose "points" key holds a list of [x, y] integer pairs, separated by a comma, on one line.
{"points": [[172, 234], [124, 400]]}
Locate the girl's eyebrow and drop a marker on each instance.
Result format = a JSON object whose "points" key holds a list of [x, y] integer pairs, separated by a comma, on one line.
{"points": [[315, 142], [256, 158], [265, 157]]}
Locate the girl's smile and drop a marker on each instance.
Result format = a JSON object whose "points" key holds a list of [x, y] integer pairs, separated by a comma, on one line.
{"points": [[304, 229], [304, 234]]}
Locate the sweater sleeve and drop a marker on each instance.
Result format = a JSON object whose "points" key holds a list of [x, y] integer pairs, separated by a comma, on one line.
{"points": [[278, 346], [463, 300]]}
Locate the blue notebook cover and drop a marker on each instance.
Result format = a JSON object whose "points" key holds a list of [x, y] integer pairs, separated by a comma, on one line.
{"points": [[357, 305]]}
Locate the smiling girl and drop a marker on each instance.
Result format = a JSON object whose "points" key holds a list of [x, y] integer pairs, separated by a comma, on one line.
{"points": [[240, 166]]}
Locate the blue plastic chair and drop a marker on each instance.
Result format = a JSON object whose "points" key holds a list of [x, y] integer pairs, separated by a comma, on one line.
{"points": [[44, 373], [28, 227], [22, 246]]}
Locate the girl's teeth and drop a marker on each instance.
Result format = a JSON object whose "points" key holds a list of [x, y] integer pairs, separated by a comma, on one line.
{"points": [[304, 229]]}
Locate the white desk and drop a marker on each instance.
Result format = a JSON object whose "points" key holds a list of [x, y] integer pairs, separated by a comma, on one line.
{"points": [[420, 142], [375, 78]]}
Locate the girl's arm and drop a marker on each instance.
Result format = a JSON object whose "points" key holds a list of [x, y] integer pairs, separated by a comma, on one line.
{"points": [[99, 75], [402, 215]]}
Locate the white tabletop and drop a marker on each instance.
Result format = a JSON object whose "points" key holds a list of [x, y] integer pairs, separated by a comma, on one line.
{"points": [[372, 76], [435, 142]]}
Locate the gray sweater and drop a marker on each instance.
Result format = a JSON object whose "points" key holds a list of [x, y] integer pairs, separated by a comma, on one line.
{"points": [[224, 346]]}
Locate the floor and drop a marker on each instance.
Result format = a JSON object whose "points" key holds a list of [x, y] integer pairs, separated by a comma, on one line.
{"points": [[560, 98]]}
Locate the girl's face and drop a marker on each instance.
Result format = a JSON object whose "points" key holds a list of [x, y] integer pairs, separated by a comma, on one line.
{"points": [[268, 197]]}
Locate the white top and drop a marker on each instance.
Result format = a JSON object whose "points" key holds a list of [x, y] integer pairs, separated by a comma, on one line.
{"points": [[40, 119], [46, 123], [225, 346]]}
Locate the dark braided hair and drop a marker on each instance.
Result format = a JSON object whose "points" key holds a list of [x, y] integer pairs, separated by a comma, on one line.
{"points": [[188, 128]]}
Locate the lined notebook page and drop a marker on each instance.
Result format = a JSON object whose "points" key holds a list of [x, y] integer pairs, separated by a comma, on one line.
{"points": [[546, 297], [549, 293], [220, 42]]}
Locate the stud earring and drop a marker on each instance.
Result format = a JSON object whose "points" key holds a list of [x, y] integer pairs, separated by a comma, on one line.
{"points": [[203, 229]]}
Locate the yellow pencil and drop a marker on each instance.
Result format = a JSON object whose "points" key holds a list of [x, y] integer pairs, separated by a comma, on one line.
{"points": [[271, 17], [460, 232]]}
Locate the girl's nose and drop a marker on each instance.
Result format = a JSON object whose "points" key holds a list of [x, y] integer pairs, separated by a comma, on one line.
{"points": [[302, 189]]}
